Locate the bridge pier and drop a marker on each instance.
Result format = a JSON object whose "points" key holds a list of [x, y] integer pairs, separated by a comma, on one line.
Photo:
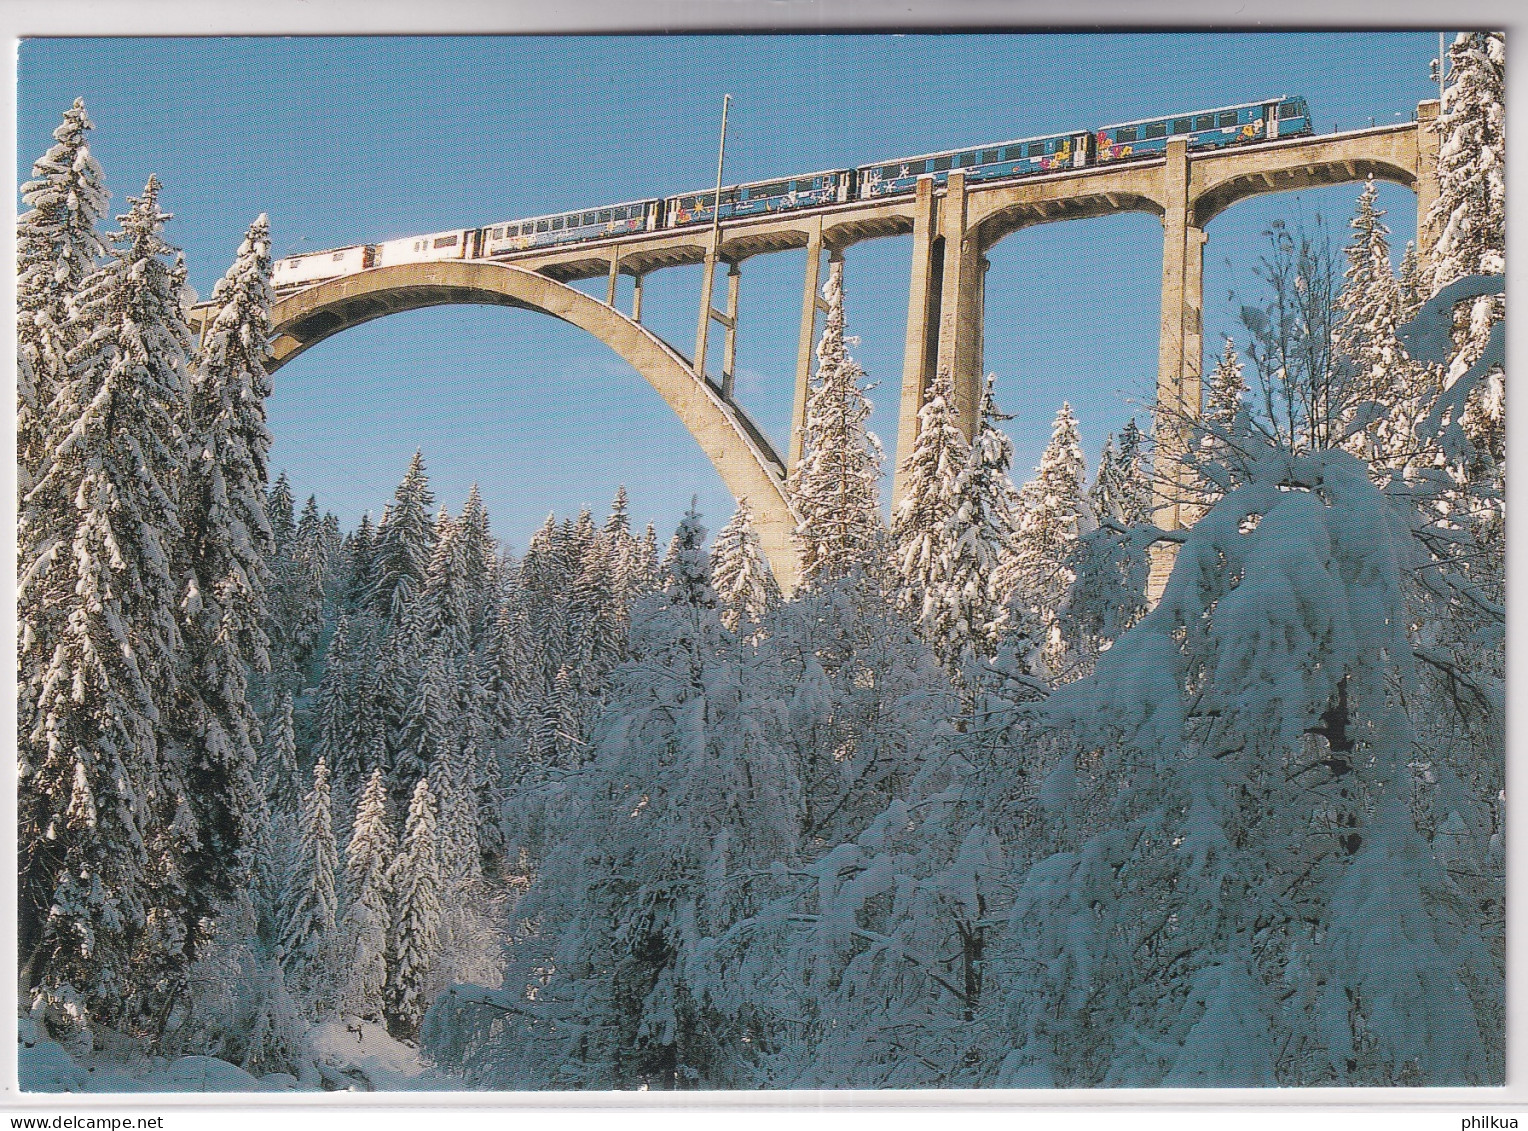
{"points": [[811, 302], [921, 349], [1180, 354], [961, 301], [1427, 176]]}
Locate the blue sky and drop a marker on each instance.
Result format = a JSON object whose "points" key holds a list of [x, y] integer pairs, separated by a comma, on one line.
{"points": [[350, 140]]}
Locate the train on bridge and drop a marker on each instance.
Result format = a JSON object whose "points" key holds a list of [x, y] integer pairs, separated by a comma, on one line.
{"points": [[1266, 120]]}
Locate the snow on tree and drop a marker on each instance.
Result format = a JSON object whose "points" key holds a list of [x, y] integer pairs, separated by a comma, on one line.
{"points": [[1388, 395], [1237, 780], [427, 727], [480, 563], [668, 835], [1121, 490], [306, 582], [228, 541], [312, 907], [921, 527], [744, 584], [453, 785], [359, 579], [281, 507], [1469, 219], [57, 248], [1226, 390], [415, 881], [445, 609], [1469, 214], [1055, 513], [280, 774], [368, 915], [404, 544], [336, 730], [834, 490], [967, 614], [689, 565], [100, 537]]}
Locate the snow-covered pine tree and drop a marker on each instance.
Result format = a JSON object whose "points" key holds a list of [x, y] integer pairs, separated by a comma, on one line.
{"points": [[358, 574], [445, 609], [283, 785], [967, 615], [336, 715], [307, 583], [1226, 389], [404, 543], [834, 490], [920, 529], [312, 906], [228, 541], [668, 838], [1387, 396], [427, 727], [415, 881], [99, 652], [645, 574], [368, 915], [689, 565], [1106, 482], [1055, 514], [1469, 219], [1469, 214], [281, 507], [480, 564], [1234, 858], [454, 786], [57, 247], [744, 584]]}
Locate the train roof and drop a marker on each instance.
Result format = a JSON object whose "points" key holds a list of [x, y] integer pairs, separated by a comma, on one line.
{"points": [[317, 251], [569, 212], [979, 145], [760, 181], [1192, 113]]}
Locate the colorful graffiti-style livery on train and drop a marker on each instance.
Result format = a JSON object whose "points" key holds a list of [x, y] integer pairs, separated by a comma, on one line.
{"points": [[1267, 120]]}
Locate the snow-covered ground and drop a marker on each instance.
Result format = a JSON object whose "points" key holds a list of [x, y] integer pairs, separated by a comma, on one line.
{"points": [[339, 1059]]}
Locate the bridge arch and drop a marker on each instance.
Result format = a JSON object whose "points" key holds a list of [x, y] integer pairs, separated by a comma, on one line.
{"points": [[1386, 154], [740, 453]]}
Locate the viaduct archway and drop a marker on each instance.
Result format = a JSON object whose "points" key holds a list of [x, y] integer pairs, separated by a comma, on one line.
{"points": [[741, 454], [952, 227]]}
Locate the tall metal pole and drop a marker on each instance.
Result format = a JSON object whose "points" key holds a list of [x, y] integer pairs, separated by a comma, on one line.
{"points": [[721, 155], [706, 283]]}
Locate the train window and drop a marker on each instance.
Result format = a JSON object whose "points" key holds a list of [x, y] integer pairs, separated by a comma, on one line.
{"points": [[604, 217], [556, 223], [941, 163], [1156, 129], [1291, 110], [1227, 118], [543, 226], [1182, 125], [1125, 133], [446, 241], [1204, 122], [966, 160]]}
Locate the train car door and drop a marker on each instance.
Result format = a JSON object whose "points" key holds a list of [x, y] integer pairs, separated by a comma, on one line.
{"points": [[1271, 120]]}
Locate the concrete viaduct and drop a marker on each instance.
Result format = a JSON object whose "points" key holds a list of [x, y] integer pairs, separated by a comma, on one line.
{"points": [[952, 228]]}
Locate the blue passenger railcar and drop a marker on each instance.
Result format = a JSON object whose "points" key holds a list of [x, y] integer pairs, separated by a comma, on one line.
{"points": [[1205, 129], [572, 227], [831, 186], [985, 163]]}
